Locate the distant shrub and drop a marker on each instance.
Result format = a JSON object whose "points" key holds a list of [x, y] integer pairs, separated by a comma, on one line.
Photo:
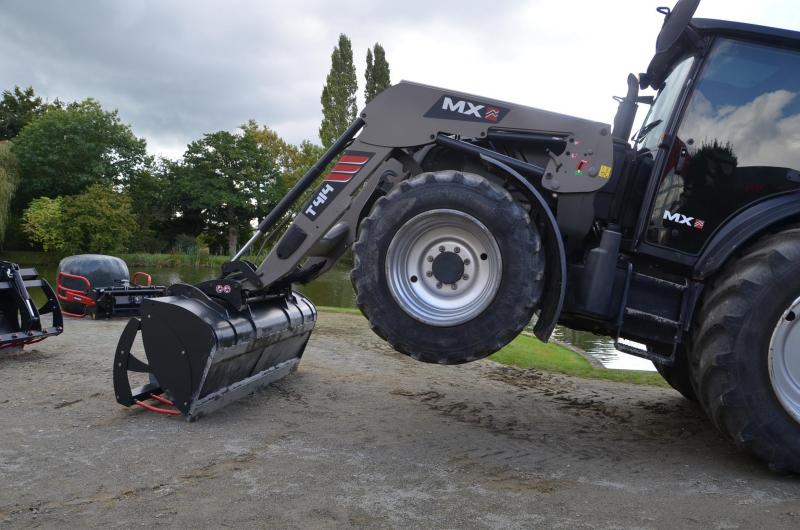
{"points": [[98, 220], [42, 223]]}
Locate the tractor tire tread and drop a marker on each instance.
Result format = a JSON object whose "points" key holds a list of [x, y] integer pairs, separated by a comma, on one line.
{"points": [[716, 370], [515, 313]]}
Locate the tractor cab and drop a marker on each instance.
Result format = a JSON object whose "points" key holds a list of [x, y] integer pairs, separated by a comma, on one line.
{"points": [[713, 164], [720, 134]]}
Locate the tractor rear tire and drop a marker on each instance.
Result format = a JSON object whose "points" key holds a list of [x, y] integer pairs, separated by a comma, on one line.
{"points": [[747, 386], [448, 268]]}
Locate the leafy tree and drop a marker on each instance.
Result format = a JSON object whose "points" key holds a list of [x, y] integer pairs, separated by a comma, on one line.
{"points": [[149, 194], [339, 93], [232, 180], [42, 222], [291, 160], [377, 73], [304, 156], [279, 150], [98, 220], [18, 108], [66, 150], [369, 91], [9, 177], [164, 207]]}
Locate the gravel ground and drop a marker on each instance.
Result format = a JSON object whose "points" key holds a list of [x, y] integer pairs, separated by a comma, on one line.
{"points": [[362, 436]]}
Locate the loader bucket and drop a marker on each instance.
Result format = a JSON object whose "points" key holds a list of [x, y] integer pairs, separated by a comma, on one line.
{"points": [[202, 353], [20, 320]]}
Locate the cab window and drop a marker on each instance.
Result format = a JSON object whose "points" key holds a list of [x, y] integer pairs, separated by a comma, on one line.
{"points": [[739, 141]]}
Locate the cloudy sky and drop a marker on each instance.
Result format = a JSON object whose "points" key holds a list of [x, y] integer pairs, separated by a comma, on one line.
{"points": [[176, 69]]}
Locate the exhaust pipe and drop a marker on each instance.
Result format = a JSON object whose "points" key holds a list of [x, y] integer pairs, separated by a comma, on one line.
{"points": [[626, 111]]}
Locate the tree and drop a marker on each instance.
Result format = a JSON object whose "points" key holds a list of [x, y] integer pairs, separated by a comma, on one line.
{"points": [[41, 222], [369, 86], [279, 150], [184, 217], [304, 156], [98, 220], [232, 180], [291, 160], [150, 202], [377, 73], [66, 150], [9, 177], [18, 108], [339, 93]]}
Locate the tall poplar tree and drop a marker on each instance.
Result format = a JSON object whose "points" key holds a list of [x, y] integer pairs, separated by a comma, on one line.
{"points": [[339, 93], [9, 177], [377, 73]]}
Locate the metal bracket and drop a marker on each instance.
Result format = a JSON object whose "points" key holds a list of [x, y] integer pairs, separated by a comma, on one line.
{"points": [[125, 362]]}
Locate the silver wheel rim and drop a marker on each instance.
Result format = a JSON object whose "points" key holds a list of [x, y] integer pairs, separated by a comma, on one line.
{"points": [[432, 238], [784, 360]]}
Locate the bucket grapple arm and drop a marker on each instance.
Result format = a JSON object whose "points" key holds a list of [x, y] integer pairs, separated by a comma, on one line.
{"points": [[209, 344], [20, 319]]}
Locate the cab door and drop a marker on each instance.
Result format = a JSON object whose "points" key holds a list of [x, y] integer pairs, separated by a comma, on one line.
{"points": [[738, 141]]}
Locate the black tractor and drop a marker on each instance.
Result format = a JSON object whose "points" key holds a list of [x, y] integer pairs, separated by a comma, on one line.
{"points": [[469, 217]]}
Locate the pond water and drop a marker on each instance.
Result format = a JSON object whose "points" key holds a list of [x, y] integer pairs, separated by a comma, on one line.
{"points": [[334, 289]]}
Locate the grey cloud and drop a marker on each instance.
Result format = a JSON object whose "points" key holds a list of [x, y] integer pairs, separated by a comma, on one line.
{"points": [[178, 69]]}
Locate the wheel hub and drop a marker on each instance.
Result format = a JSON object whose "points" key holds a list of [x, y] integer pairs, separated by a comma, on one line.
{"points": [[443, 267], [448, 267], [784, 360]]}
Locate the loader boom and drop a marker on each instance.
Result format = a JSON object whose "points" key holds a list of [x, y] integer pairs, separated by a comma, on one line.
{"points": [[408, 117]]}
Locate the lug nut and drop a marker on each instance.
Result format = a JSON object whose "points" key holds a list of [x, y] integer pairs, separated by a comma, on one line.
{"points": [[467, 262], [441, 248], [429, 274], [438, 285], [430, 259], [457, 250], [465, 277], [453, 286]]}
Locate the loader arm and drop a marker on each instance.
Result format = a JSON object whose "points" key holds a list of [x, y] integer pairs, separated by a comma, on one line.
{"points": [[411, 116], [357, 168]]}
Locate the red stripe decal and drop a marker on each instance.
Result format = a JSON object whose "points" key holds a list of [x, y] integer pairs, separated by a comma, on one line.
{"points": [[354, 159], [339, 177], [346, 168]]}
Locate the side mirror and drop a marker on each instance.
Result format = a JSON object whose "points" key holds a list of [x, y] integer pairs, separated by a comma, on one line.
{"points": [[675, 36]]}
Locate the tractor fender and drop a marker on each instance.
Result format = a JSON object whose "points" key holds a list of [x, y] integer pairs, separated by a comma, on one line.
{"points": [[743, 227], [555, 257]]}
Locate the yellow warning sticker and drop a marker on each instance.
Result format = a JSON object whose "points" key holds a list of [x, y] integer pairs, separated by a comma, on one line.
{"points": [[605, 171]]}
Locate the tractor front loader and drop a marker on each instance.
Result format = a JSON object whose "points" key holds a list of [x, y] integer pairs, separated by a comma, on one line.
{"points": [[468, 217]]}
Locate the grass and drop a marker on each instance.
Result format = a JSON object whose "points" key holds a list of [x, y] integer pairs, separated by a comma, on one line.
{"points": [[141, 259], [344, 310], [529, 352], [138, 259]]}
